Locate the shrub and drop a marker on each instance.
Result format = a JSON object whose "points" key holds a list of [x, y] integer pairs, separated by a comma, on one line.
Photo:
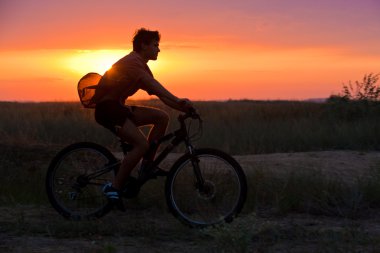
{"points": [[367, 89]]}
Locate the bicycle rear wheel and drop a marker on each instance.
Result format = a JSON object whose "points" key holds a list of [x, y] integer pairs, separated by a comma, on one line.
{"points": [[71, 190], [219, 199]]}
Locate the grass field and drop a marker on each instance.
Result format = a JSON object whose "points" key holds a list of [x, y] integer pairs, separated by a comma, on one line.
{"points": [[313, 173], [237, 127]]}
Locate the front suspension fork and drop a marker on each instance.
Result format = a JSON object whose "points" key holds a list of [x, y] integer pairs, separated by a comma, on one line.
{"points": [[199, 180]]}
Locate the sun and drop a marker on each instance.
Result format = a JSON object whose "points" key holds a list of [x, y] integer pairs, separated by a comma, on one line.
{"points": [[81, 62], [84, 61]]}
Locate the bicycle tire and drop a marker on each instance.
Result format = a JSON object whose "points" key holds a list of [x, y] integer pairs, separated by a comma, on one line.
{"points": [[225, 197], [86, 201]]}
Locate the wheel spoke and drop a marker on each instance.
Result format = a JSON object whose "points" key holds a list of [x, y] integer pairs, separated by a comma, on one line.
{"points": [[69, 188], [221, 196]]}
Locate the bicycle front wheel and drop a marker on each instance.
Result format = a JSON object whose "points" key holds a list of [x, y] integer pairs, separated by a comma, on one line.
{"points": [[75, 178], [218, 198]]}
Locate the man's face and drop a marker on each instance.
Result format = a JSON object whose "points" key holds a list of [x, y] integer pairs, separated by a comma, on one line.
{"points": [[151, 50]]}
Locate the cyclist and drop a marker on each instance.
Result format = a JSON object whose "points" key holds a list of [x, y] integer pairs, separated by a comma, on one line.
{"points": [[128, 75]]}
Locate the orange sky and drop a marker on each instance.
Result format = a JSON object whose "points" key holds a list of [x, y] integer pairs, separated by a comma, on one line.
{"points": [[295, 49]]}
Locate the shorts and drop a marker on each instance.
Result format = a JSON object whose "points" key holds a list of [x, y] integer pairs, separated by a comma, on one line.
{"points": [[111, 114]]}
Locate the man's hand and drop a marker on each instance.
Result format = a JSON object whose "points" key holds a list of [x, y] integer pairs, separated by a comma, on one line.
{"points": [[186, 104]]}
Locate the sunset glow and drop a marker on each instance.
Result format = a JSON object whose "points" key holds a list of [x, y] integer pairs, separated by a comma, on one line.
{"points": [[83, 61], [279, 50]]}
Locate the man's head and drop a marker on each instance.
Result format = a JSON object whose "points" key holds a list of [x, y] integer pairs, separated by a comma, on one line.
{"points": [[146, 43]]}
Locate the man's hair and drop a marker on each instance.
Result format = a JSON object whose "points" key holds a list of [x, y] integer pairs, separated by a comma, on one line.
{"points": [[144, 36]]}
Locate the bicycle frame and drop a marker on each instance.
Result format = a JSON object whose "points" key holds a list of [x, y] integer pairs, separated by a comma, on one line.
{"points": [[178, 136]]}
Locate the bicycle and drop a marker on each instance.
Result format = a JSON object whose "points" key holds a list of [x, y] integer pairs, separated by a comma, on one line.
{"points": [[203, 187]]}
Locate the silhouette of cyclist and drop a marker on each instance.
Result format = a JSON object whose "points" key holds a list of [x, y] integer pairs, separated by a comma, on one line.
{"points": [[128, 75]]}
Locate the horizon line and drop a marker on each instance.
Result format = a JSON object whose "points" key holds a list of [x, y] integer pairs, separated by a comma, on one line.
{"points": [[157, 99]]}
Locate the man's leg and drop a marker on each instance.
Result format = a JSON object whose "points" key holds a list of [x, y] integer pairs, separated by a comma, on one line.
{"points": [[155, 117], [130, 133]]}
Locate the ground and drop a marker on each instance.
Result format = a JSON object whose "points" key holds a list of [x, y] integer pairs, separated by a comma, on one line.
{"points": [[149, 227]]}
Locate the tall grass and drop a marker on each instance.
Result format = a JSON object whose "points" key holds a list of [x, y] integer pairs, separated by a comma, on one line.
{"points": [[32, 133], [314, 193], [238, 127], [48, 123]]}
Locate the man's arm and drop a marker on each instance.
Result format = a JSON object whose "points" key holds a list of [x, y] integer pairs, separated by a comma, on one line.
{"points": [[152, 86]]}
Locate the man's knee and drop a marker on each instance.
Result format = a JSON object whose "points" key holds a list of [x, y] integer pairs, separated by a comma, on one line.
{"points": [[163, 118]]}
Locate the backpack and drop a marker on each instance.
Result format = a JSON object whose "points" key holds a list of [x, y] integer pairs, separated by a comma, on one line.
{"points": [[86, 89]]}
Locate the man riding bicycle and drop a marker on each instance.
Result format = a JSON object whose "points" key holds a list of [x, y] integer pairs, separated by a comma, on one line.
{"points": [[128, 75]]}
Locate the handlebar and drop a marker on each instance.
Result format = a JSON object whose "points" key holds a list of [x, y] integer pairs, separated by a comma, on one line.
{"points": [[190, 114], [193, 115]]}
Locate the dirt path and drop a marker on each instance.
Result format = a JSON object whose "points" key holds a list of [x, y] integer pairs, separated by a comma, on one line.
{"points": [[148, 227], [347, 165]]}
